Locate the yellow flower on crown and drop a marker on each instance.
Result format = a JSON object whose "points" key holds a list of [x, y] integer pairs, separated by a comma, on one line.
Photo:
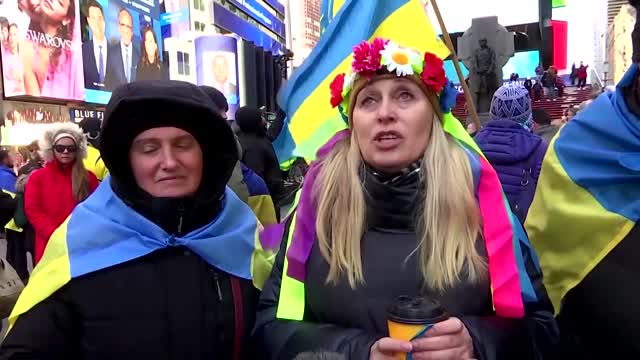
{"points": [[401, 60]]}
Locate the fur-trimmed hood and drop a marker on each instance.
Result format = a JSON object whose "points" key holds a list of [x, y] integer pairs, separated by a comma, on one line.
{"points": [[46, 143]]}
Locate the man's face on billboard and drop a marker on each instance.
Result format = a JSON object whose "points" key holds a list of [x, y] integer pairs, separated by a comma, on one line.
{"points": [[96, 22], [126, 27], [220, 69]]}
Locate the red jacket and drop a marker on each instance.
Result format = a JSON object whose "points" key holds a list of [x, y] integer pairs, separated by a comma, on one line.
{"points": [[48, 201], [582, 72]]}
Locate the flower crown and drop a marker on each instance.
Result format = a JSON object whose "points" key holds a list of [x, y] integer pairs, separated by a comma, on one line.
{"points": [[380, 54]]}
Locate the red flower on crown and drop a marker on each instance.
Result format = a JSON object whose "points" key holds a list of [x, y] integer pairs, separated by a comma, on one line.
{"points": [[366, 57], [433, 74], [336, 90]]}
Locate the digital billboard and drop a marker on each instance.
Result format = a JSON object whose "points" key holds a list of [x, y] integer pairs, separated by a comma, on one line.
{"points": [[121, 43], [22, 122], [217, 66], [41, 49], [457, 14]]}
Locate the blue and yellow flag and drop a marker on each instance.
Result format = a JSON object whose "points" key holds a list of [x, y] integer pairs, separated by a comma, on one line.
{"points": [[588, 198], [259, 200], [103, 231], [311, 120]]}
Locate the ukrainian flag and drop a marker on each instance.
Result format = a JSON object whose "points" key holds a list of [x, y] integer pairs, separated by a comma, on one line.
{"points": [[260, 200], [306, 98], [103, 231], [588, 198]]}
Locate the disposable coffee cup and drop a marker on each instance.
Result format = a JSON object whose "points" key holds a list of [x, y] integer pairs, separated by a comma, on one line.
{"points": [[410, 317]]}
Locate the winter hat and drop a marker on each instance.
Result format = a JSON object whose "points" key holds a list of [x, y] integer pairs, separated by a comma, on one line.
{"points": [[57, 132], [512, 102], [140, 106], [217, 97]]}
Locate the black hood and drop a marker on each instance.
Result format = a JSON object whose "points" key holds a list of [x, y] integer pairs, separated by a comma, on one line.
{"points": [[144, 105], [249, 120], [91, 127]]}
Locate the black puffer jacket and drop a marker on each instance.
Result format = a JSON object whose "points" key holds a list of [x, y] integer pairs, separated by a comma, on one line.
{"points": [[348, 321], [169, 304], [257, 151]]}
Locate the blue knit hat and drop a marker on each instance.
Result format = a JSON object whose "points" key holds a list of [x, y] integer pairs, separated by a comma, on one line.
{"points": [[512, 102]]}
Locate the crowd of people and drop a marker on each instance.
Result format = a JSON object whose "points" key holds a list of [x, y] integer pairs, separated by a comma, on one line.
{"points": [[157, 234]]}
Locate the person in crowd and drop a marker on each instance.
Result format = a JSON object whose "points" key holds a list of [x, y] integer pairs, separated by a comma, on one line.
{"points": [[124, 55], [528, 84], [543, 126], [163, 254], [570, 112], [247, 185], [34, 161], [55, 190], [375, 221], [537, 91], [574, 74], [560, 86], [93, 162], [7, 175], [584, 223], [582, 75], [52, 69], [258, 153], [20, 234], [95, 50], [549, 82], [539, 72], [12, 64], [150, 66], [512, 149]]}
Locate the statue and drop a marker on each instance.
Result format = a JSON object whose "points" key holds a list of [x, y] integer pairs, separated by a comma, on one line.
{"points": [[485, 67], [485, 62]]}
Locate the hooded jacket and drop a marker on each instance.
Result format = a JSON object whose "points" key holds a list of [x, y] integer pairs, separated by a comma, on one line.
{"points": [[151, 288], [48, 198], [258, 153], [516, 154]]}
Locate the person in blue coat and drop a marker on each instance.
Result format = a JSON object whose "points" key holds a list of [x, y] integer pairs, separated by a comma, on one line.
{"points": [[7, 175]]}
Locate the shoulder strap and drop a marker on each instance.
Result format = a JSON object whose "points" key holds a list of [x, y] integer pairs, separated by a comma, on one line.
{"points": [[529, 177]]}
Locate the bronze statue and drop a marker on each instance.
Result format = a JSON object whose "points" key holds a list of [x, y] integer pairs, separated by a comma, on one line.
{"points": [[485, 68]]}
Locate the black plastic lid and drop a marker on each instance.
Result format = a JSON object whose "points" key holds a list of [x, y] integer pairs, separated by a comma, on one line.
{"points": [[416, 310]]}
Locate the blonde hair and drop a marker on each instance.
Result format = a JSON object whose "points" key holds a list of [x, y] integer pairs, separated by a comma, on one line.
{"points": [[79, 174], [447, 227]]}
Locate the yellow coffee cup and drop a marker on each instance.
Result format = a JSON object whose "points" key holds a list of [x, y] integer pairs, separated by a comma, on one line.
{"points": [[410, 317]]}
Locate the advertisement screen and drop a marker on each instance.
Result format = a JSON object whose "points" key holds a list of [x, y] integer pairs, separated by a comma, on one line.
{"points": [[457, 14], [217, 59], [121, 43], [22, 123], [174, 18], [522, 63], [41, 49]]}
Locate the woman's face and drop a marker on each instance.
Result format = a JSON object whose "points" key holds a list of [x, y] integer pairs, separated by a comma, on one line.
{"points": [[64, 150], [392, 121], [56, 10], [166, 162], [150, 45]]}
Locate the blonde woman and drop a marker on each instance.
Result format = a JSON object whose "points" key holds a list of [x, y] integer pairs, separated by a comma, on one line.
{"points": [[54, 191], [397, 206]]}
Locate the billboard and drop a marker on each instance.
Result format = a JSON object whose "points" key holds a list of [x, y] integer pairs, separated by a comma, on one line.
{"points": [[174, 18], [77, 115], [22, 122], [121, 43], [217, 66], [261, 15], [41, 49], [231, 22]]}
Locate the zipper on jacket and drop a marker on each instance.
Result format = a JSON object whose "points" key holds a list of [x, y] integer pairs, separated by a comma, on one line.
{"points": [[238, 315], [180, 218], [217, 280]]}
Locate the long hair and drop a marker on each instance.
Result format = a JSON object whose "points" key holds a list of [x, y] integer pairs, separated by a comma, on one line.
{"points": [[144, 60], [447, 225], [79, 175]]}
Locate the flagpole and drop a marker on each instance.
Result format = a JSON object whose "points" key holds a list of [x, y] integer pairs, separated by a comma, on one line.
{"points": [[447, 40]]}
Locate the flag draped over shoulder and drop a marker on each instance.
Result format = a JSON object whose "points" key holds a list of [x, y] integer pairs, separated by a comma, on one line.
{"points": [[311, 121], [588, 198], [103, 231]]}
